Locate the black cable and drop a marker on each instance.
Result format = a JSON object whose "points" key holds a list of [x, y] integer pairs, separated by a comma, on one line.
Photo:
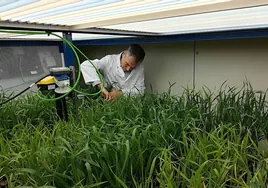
{"points": [[23, 90]]}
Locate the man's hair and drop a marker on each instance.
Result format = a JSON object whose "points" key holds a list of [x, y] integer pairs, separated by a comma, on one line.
{"points": [[137, 51]]}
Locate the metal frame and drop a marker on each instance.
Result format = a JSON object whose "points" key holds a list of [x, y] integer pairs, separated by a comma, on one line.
{"points": [[4, 25], [67, 51]]}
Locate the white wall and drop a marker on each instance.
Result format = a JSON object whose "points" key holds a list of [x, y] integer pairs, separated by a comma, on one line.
{"points": [[164, 63], [233, 61], [169, 63]]}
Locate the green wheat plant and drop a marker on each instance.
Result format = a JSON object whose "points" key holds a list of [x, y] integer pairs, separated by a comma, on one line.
{"points": [[199, 139]]}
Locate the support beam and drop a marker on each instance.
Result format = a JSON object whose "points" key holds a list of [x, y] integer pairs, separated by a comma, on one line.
{"points": [[4, 25], [67, 51], [33, 27]]}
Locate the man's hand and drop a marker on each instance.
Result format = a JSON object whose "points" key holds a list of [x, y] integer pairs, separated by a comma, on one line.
{"points": [[115, 94], [109, 96], [106, 95]]}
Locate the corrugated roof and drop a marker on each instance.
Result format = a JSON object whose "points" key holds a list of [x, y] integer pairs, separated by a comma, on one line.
{"points": [[141, 17]]}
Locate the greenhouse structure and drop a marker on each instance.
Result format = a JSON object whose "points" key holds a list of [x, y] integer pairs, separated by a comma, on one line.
{"points": [[198, 116]]}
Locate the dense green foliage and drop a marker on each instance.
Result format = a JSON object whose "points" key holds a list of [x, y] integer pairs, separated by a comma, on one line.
{"points": [[198, 139]]}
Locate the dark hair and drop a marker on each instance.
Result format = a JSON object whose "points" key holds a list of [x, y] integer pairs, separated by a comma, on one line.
{"points": [[137, 51]]}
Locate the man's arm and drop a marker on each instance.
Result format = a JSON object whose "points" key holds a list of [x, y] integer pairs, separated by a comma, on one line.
{"points": [[106, 95], [91, 77], [89, 72]]}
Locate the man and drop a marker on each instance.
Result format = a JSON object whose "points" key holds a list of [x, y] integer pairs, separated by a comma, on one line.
{"points": [[123, 73]]}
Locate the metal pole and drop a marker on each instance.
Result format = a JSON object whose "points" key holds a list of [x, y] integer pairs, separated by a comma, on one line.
{"points": [[61, 107], [74, 94]]}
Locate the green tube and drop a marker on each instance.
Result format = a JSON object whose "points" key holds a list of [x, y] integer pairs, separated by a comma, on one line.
{"points": [[74, 48], [99, 74]]}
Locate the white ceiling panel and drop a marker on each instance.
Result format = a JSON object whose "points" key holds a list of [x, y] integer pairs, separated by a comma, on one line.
{"points": [[136, 16], [239, 18], [75, 36]]}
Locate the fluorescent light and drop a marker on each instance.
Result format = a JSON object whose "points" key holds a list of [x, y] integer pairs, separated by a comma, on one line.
{"points": [[133, 10], [60, 10], [26, 7], [155, 9], [116, 8], [40, 8], [67, 10], [6, 2], [15, 4]]}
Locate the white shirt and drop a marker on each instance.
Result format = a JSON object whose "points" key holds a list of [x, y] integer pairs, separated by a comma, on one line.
{"points": [[110, 67]]}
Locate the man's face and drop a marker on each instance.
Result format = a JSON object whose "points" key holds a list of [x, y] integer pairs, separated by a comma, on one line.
{"points": [[128, 62]]}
